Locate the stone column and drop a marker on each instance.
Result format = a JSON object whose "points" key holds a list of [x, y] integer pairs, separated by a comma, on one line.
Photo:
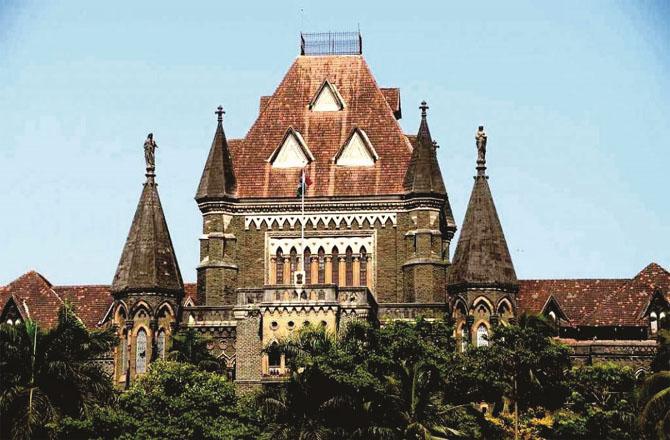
{"points": [[287, 270], [342, 271], [469, 321], [356, 269], [314, 269], [328, 278], [272, 272], [368, 272]]}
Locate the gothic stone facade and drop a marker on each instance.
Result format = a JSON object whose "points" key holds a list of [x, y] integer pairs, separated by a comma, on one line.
{"points": [[368, 238]]}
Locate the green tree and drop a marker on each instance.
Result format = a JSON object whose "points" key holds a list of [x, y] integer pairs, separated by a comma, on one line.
{"points": [[601, 404], [190, 346], [662, 359], [654, 399], [172, 401], [526, 364], [49, 374]]}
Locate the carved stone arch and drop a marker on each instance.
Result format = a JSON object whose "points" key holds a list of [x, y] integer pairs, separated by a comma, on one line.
{"points": [[139, 307], [482, 331], [459, 305], [165, 306], [505, 303], [482, 300]]}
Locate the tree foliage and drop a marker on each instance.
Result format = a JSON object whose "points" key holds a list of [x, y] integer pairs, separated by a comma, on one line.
{"points": [[190, 346], [50, 374], [172, 401]]}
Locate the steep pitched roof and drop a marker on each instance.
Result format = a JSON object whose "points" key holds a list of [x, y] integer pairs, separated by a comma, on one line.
{"points": [[90, 301], [577, 297], [625, 306], [482, 258], [423, 173], [218, 177], [148, 261], [324, 132], [34, 297]]}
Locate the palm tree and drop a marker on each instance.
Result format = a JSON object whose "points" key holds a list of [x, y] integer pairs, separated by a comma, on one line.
{"points": [[50, 374], [654, 399]]}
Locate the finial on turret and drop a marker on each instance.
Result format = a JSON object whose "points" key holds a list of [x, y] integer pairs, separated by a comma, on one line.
{"points": [[423, 108], [219, 113], [480, 138], [150, 156]]}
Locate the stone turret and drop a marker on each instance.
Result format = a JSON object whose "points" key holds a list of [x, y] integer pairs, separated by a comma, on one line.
{"points": [[218, 270], [147, 287], [427, 240], [482, 282]]}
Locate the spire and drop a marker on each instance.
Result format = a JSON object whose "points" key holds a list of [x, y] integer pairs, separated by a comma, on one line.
{"points": [[218, 177], [482, 258], [423, 173], [148, 262]]}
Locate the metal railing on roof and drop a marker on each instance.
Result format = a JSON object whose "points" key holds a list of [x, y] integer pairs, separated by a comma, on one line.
{"points": [[331, 43]]}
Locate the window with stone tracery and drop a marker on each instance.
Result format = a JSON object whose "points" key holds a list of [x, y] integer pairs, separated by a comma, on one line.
{"points": [[160, 344], [482, 336], [349, 280], [322, 266], [141, 352]]}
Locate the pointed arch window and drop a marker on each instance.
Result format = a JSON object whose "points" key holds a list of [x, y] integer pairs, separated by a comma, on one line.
{"points": [[123, 358], [482, 335], [364, 266], [141, 352], [322, 266], [336, 265], [349, 279], [160, 344], [306, 260], [653, 322], [294, 263], [280, 266]]}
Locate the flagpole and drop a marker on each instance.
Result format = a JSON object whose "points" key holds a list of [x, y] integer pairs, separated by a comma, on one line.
{"points": [[302, 222]]}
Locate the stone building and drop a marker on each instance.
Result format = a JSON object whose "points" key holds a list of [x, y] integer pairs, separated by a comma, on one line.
{"points": [[368, 237]]}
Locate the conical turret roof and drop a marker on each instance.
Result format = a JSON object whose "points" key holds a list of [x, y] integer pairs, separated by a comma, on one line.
{"points": [[218, 177], [482, 258], [423, 173], [148, 262]]}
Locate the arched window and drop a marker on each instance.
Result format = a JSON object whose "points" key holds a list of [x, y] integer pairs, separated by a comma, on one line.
{"points": [[141, 352], [274, 359], [280, 266], [482, 336], [653, 322], [306, 260], [336, 266], [364, 267], [464, 337], [160, 344], [294, 264], [322, 266], [124, 354], [349, 280], [552, 316]]}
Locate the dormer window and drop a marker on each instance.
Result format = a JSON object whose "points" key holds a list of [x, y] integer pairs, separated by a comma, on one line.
{"points": [[653, 322], [357, 151], [327, 99], [292, 152]]}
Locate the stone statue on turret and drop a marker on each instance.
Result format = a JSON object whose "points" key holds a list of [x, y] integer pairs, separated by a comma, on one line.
{"points": [[149, 152], [480, 137]]}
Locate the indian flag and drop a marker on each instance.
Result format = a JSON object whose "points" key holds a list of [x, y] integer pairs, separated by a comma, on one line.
{"points": [[305, 182]]}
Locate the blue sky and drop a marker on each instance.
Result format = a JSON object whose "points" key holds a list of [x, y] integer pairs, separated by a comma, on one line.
{"points": [[575, 97]]}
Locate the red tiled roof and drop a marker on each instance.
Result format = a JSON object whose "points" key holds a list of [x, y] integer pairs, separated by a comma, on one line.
{"points": [[625, 306], [598, 302], [393, 98], [90, 301], [35, 298], [190, 291], [577, 298], [366, 107]]}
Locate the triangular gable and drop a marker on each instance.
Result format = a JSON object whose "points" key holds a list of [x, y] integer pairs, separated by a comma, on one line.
{"points": [[552, 305], [357, 151], [327, 99], [657, 298], [11, 310], [292, 152]]}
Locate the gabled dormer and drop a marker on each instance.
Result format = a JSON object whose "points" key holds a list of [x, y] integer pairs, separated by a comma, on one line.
{"points": [[292, 152], [327, 99], [357, 151]]}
